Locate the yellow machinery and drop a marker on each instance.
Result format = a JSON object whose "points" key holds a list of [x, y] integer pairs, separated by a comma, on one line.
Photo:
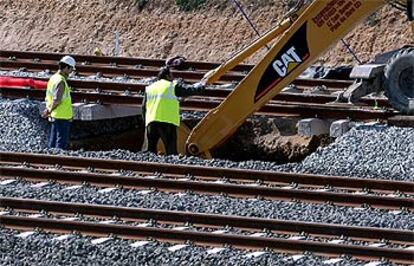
{"points": [[306, 33]]}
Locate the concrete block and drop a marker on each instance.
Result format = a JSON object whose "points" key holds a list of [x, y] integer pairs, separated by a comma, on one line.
{"points": [[75, 106], [340, 127], [313, 127], [76, 110], [93, 112]]}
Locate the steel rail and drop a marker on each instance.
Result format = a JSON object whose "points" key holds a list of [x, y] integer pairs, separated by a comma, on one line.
{"points": [[137, 72], [207, 187], [111, 87], [117, 71], [305, 110], [205, 171], [339, 111], [209, 219], [133, 232], [330, 83], [113, 60], [158, 63], [302, 83], [216, 91]]}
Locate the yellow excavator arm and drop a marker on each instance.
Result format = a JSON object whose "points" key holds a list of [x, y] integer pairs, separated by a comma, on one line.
{"points": [[304, 36]]}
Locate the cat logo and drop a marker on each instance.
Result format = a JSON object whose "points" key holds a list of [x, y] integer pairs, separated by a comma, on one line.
{"points": [[293, 54], [288, 61]]}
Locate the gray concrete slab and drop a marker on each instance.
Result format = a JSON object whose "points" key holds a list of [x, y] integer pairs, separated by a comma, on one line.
{"points": [[76, 110], [340, 127], [94, 112], [313, 127]]}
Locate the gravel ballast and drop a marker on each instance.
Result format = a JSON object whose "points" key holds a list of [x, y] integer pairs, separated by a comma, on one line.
{"points": [[45, 249]]}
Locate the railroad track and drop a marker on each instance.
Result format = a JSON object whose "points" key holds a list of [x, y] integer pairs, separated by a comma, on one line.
{"points": [[240, 183], [302, 85], [108, 66], [201, 228], [291, 104], [132, 67], [285, 104], [118, 86], [209, 229], [275, 108], [107, 60], [115, 71]]}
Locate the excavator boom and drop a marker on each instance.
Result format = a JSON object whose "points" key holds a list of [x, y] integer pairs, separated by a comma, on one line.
{"points": [[320, 25]]}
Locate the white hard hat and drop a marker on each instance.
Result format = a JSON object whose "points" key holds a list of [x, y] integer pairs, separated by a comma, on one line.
{"points": [[68, 60]]}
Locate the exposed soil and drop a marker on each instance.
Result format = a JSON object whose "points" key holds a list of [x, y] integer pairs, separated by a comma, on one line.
{"points": [[268, 139], [160, 29]]}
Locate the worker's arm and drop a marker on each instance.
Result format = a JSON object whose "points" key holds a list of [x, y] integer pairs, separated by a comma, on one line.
{"points": [[184, 90], [57, 95], [56, 99], [144, 107]]}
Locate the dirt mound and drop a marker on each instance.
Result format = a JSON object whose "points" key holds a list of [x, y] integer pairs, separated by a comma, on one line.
{"points": [[159, 29], [268, 139]]}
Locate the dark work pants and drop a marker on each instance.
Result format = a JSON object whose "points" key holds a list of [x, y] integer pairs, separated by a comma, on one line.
{"points": [[59, 134], [168, 134]]}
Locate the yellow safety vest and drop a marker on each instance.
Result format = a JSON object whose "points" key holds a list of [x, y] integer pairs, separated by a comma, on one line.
{"points": [[64, 109], [162, 104]]}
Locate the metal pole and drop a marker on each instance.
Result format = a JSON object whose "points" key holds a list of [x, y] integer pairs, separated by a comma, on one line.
{"points": [[348, 47]]}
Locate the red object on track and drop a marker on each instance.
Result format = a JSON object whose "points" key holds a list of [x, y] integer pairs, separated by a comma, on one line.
{"points": [[11, 82]]}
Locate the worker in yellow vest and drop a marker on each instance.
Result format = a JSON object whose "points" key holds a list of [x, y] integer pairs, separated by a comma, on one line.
{"points": [[59, 105], [161, 109]]}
